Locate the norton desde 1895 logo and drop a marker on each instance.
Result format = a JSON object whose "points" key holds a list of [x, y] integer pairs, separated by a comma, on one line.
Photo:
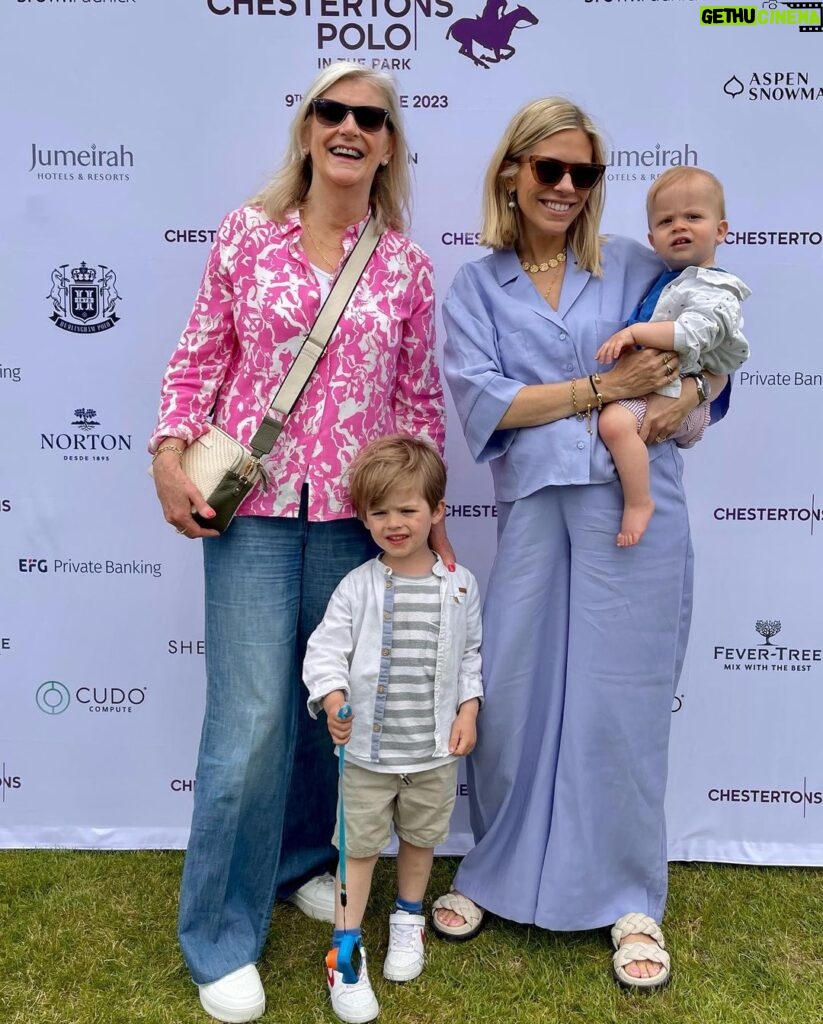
{"points": [[85, 444], [84, 301]]}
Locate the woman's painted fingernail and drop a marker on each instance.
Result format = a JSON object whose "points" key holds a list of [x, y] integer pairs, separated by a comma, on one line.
{"points": [[451, 566]]}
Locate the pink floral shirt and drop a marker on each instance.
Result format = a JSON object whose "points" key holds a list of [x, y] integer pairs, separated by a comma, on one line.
{"points": [[258, 296]]}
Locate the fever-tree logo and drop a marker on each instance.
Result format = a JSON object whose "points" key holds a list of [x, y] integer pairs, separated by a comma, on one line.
{"points": [[768, 628]]}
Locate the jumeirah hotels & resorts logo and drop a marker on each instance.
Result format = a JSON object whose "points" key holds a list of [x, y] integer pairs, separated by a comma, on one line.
{"points": [[92, 164], [768, 655], [83, 300]]}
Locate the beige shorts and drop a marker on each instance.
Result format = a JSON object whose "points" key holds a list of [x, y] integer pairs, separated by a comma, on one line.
{"points": [[420, 805]]}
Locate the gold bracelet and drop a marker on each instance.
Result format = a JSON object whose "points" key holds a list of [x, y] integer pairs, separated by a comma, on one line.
{"points": [[168, 448], [583, 414], [594, 380]]}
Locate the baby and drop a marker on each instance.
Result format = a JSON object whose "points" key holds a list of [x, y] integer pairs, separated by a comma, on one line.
{"points": [[693, 309]]}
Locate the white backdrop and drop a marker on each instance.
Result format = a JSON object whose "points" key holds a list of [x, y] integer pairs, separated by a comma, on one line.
{"points": [[131, 126]]}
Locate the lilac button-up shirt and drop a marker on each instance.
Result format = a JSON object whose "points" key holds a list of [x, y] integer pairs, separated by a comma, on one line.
{"points": [[258, 296], [501, 335]]}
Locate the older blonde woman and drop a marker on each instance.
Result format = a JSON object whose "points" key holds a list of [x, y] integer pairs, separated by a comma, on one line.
{"points": [[583, 641], [266, 778]]}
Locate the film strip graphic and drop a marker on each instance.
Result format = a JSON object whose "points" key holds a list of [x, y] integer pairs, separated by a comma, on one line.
{"points": [[817, 5]]}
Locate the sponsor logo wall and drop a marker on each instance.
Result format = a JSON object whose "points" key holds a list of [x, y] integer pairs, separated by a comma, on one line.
{"points": [[114, 194]]}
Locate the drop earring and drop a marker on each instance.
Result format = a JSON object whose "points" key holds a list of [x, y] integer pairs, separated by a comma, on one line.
{"points": [[512, 204]]}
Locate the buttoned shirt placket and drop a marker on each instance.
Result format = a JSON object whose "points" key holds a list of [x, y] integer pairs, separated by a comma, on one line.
{"points": [[382, 689]]}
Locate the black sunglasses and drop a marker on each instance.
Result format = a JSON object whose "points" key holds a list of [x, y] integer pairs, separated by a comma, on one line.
{"points": [[330, 113], [548, 171]]}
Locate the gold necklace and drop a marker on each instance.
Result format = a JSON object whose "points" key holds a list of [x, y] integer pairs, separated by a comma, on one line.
{"points": [[331, 263], [547, 294], [539, 268]]}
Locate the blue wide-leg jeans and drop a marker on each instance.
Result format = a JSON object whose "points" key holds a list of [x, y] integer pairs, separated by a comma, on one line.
{"points": [[265, 797]]}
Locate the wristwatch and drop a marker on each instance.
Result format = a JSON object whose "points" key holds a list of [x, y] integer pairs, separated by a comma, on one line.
{"points": [[704, 390]]}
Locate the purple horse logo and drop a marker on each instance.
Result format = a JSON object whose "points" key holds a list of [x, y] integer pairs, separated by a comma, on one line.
{"points": [[492, 30]]}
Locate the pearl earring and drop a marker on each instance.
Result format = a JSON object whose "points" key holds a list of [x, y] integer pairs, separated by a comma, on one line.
{"points": [[512, 204], [384, 162]]}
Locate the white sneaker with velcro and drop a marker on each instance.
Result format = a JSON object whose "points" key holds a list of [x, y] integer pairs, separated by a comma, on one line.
{"points": [[406, 955]]}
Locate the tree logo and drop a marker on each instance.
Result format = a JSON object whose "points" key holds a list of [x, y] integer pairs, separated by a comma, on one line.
{"points": [[85, 419], [491, 30], [768, 628], [83, 300]]}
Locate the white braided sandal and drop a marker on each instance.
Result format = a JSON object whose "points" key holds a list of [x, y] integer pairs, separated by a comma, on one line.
{"points": [[472, 915], [639, 924]]}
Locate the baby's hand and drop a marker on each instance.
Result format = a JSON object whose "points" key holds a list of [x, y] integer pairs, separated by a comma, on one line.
{"points": [[610, 350], [340, 728]]}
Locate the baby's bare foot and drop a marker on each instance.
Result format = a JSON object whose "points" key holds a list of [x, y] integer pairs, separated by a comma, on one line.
{"points": [[636, 518]]}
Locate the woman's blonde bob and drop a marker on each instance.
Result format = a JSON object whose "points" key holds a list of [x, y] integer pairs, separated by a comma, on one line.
{"points": [[534, 123], [390, 192]]}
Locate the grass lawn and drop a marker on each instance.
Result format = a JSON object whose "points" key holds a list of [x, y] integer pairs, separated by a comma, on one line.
{"points": [[89, 938]]}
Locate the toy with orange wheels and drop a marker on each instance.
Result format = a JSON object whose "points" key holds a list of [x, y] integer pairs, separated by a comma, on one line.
{"points": [[344, 958]]}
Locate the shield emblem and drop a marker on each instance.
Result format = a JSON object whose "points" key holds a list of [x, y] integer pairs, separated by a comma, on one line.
{"points": [[84, 301]]}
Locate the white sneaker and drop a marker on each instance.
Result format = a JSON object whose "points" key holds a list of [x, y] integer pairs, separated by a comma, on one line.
{"points": [[235, 998], [316, 898], [406, 956], [355, 1003]]}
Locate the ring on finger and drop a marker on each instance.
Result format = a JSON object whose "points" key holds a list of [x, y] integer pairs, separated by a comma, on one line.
{"points": [[180, 530], [665, 360], [659, 439], [669, 370]]}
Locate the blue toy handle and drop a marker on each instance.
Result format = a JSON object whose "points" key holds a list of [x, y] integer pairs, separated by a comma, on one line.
{"points": [[345, 956], [343, 712]]}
